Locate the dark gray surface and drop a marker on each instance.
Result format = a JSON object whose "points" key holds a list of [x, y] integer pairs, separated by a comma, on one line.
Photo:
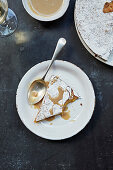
{"points": [[91, 149]]}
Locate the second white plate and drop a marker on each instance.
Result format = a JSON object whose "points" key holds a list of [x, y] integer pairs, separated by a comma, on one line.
{"points": [[81, 110], [110, 59]]}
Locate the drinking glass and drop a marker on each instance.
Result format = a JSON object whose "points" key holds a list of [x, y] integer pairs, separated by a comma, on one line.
{"points": [[8, 19]]}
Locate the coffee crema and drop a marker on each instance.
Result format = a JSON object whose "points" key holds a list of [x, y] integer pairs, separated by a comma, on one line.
{"points": [[46, 7]]}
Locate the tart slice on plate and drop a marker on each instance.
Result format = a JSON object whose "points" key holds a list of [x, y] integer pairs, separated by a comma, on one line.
{"points": [[57, 97]]}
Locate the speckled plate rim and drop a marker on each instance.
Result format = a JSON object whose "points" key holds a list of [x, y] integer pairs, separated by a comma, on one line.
{"points": [[53, 17], [82, 121], [86, 46]]}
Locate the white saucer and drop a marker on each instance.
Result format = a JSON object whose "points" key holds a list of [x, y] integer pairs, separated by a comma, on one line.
{"points": [[80, 111], [110, 59], [52, 17]]}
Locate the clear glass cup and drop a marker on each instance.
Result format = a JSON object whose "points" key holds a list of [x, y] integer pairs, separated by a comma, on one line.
{"points": [[8, 19]]}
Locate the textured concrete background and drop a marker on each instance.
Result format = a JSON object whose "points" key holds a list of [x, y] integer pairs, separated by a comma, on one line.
{"points": [[33, 42]]}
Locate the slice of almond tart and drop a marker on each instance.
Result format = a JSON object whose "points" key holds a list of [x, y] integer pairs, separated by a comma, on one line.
{"points": [[57, 97]]}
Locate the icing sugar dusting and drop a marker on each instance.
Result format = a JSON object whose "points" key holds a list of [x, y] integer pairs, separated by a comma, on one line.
{"points": [[47, 104], [95, 27]]}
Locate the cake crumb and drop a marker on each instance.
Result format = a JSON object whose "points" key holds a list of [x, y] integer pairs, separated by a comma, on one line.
{"points": [[108, 7], [72, 120]]}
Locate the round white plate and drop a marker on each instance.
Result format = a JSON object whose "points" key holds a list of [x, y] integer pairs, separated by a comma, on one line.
{"points": [[110, 59], [80, 111], [52, 17]]}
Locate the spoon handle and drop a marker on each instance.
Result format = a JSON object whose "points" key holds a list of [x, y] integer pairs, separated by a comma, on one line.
{"points": [[61, 43]]}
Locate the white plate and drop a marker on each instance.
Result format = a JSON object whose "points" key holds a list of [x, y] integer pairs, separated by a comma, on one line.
{"points": [[80, 115], [52, 17], [110, 59]]}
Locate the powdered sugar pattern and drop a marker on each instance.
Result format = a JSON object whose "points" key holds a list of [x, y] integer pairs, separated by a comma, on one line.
{"points": [[47, 104], [95, 27]]}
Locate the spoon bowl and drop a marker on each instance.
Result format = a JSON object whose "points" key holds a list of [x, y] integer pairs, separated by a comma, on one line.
{"points": [[36, 91]]}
